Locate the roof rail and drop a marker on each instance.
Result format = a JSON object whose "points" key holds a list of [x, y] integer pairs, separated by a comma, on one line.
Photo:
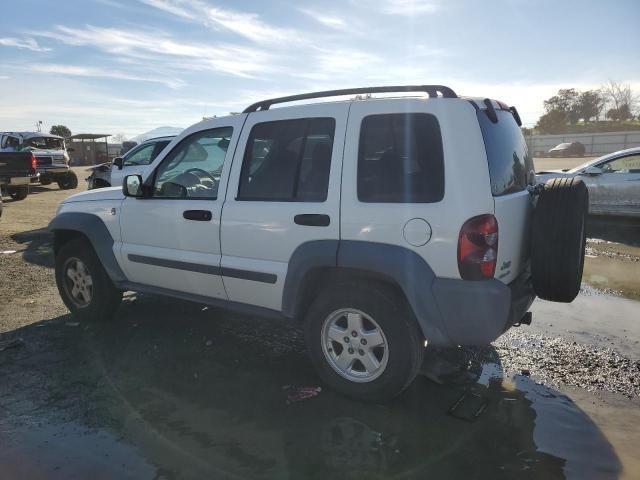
{"points": [[432, 90]]}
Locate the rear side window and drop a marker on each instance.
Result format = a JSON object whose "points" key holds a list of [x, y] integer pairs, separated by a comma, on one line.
{"points": [[510, 167], [400, 159], [288, 161]]}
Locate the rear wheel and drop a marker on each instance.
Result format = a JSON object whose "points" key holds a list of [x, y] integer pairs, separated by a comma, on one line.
{"points": [[68, 181], [18, 193], [84, 286], [558, 239], [364, 340]]}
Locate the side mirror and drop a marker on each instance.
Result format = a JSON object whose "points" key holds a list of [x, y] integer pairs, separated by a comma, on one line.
{"points": [[118, 162], [132, 186], [592, 171]]}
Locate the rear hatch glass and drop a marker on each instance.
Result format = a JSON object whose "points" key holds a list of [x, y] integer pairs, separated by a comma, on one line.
{"points": [[510, 167], [511, 170]]}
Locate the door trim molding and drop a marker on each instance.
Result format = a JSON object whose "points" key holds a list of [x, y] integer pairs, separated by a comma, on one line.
{"points": [[206, 269]]}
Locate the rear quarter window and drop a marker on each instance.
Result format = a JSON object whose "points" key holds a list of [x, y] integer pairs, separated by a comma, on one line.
{"points": [[510, 167], [400, 159]]}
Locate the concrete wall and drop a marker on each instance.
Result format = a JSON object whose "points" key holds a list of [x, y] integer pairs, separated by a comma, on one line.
{"points": [[596, 144]]}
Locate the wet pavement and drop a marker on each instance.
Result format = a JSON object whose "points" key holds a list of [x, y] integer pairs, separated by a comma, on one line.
{"points": [[175, 390], [172, 390]]}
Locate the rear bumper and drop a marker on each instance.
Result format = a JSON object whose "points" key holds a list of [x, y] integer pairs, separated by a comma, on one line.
{"points": [[476, 313], [14, 181]]}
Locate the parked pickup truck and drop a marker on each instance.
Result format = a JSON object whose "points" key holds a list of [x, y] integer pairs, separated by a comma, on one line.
{"points": [[17, 170], [50, 153]]}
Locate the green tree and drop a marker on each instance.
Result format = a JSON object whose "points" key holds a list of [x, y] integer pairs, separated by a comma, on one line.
{"points": [[620, 114], [589, 105], [554, 121], [61, 131]]}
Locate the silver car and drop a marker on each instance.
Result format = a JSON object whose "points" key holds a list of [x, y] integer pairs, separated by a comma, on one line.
{"points": [[613, 182]]}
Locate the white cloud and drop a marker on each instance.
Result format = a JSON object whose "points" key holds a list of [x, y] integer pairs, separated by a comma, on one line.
{"points": [[4, 77], [80, 71], [25, 43], [151, 49], [331, 21], [248, 25], [406, 8], [409, 7]]}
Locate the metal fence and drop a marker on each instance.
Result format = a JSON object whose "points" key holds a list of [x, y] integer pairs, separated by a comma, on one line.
{"points": [[595, 144]]}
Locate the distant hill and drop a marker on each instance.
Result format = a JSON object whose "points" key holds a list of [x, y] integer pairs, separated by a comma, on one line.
{"points": [[156, 132]]}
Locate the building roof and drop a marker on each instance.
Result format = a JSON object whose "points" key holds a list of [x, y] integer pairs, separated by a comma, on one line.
{"points": [[89, 136]]}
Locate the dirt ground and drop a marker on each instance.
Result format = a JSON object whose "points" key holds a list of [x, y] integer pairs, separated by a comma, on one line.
{"points": [[170, 389]]}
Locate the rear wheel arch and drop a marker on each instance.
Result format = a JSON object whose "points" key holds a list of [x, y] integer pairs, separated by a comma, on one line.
{"points": [[319, 279], [318, 263]]}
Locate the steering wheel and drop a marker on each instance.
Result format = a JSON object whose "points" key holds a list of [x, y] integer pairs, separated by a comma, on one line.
{"points": [[198, 171]]}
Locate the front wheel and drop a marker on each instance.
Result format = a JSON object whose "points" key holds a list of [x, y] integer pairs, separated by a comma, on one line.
{"points": [[68, 181], [84, 285], [364, 340]]}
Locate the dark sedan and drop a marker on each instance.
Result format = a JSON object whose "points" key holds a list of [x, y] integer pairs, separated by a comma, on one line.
{"points": [[572, 149]]}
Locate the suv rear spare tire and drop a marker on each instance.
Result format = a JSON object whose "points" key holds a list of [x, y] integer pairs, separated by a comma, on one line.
{"points": [[558, 239]]}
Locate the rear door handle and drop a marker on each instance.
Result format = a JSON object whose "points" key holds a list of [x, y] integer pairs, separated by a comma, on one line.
{"points": [[312, 219], [198, 215]]}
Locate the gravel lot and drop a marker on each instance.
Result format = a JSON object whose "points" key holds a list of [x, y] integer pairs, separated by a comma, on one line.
{"points": [[176, 390]]}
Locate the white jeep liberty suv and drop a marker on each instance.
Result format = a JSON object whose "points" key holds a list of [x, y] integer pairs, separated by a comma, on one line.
{"points": [[376, 223]]}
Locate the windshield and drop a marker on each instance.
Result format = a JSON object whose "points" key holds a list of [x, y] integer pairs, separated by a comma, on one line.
{"points": [[43, 143]]}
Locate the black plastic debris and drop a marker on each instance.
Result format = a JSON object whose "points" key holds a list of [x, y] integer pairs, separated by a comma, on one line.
{"points": [[469, 406], [298, 394]]}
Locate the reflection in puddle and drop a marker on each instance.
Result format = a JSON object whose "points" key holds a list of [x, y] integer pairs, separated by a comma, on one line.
{"points": [[199, 395]]}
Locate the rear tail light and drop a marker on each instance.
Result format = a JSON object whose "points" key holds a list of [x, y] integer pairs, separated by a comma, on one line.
{"points": [[34, 163], [478, 248]]}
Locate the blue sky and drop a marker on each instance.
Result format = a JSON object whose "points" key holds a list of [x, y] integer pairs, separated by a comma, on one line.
{"points": [[127, 66]]}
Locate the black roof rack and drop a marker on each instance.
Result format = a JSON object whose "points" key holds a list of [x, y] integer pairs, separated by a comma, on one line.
{"points": [[432, 90]]}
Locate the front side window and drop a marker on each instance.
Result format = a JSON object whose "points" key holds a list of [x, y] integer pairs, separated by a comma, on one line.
{"points": [[141, 156], [288, 160], [193, 168], [400, 159], [628, 164]]}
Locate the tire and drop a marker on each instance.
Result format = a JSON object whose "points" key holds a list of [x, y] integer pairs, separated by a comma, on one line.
{"points": [[68, 181], [403, 341], [558, 239], [19, 193], [101, 299]]}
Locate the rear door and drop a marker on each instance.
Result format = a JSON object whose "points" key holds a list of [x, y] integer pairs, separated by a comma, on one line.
{"points": [[284, 191], [511, 171]]}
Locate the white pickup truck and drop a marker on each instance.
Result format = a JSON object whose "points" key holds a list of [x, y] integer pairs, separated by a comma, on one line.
{"points": [[378, 224], [52, 159]]}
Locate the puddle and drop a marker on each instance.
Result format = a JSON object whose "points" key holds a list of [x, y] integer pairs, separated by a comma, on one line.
{"points": [[181, 393]]}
